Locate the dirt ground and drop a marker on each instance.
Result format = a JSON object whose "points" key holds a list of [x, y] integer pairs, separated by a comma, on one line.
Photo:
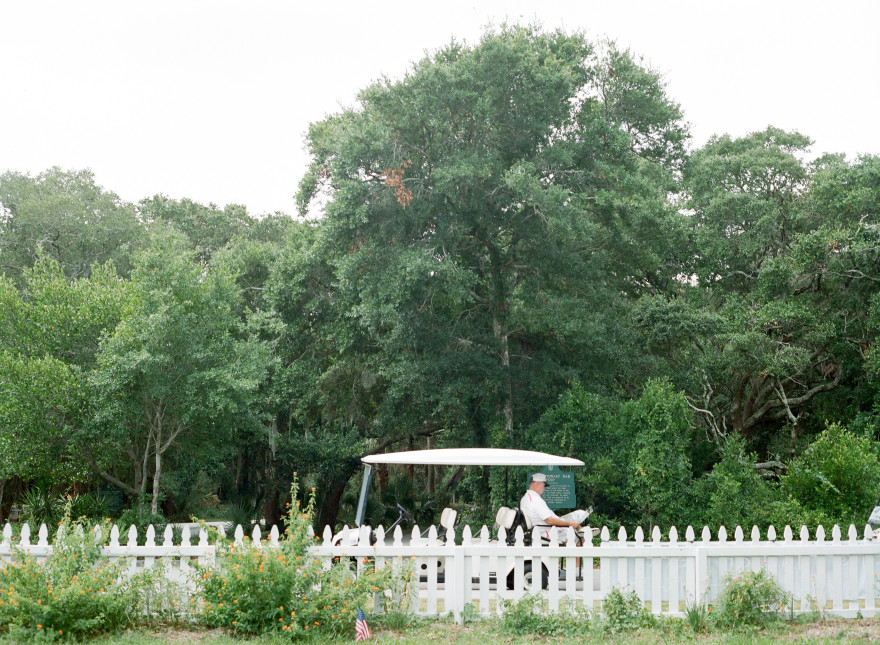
{"points": [[867, 629]]}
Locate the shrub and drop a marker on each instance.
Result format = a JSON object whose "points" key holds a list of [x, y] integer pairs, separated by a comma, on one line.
{"points": [[72, 594], [790, 512], [733, 493], [750, 598], [88, 505], [837, 477], [141, 518], [259, 589], [625, 612], [659, 423], [524, 616], [39, 505]]}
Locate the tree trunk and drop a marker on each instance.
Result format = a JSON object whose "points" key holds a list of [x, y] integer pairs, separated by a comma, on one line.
{"points": [[503, 339], [328, 506], [272, 509], [430, 473], [157, 475], [156, 430], [327, 513]]}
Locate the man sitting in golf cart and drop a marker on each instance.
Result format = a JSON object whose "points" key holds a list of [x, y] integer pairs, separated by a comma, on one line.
{"points": [[538, 513]]}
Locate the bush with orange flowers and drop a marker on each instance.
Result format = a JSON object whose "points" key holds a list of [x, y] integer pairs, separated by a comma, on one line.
{"points": [[74, 593], [257, 588]]}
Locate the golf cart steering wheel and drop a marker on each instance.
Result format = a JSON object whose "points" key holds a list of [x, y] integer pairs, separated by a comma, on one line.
{"points": [[405, 515]]}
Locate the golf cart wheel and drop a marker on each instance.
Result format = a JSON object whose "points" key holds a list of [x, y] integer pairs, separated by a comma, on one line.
{"points": [[528, 576]]}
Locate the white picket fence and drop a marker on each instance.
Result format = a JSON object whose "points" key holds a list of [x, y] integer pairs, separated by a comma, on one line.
{"points": [[837, 575], [177, 560]]}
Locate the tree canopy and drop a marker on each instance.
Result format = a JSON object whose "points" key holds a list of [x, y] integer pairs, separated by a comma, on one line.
{"points": [[481, 214], [515, 244]]}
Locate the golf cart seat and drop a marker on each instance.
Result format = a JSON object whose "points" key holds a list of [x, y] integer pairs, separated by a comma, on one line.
{"points": [[528, 526], [509, 519], [447, 520], [505, 518], [448, 517]]}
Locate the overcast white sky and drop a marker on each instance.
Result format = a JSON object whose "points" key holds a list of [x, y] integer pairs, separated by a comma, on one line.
{"points": [[210, 99]]}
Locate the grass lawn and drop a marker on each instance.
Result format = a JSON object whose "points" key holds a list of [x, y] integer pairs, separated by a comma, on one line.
{"points": [[815, 630]]}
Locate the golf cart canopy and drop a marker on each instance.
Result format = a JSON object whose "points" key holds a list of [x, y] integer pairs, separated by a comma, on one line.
{"points": [[472, 457], [456, 457]]}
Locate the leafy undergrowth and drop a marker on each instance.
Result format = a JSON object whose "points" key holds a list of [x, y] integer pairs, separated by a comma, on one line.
{"points": [[421, 631]]}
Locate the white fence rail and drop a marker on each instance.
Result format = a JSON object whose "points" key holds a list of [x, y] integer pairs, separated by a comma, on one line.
{"points": [[837, 575]]}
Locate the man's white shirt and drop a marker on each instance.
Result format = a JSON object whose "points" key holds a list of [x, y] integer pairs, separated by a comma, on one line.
{"points": [[535, 509]]}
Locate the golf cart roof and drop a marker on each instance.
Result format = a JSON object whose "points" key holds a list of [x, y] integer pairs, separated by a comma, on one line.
{"points": [[472, 457]]}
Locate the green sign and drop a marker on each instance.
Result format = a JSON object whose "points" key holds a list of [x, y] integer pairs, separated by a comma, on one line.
{"points": [[559, 492], [112, 497]]}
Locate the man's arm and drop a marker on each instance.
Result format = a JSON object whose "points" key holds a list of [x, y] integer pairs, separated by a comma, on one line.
{"points": [[551, 518], [555, 520]]}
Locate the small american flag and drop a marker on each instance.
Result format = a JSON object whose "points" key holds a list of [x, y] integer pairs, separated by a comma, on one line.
{"points": [[361, 628]]}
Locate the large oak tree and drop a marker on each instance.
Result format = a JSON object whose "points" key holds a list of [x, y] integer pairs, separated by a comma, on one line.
{"points": [[484, 222]]}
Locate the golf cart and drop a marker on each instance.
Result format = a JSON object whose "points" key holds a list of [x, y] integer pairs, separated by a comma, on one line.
{"points": [[508, 518]]}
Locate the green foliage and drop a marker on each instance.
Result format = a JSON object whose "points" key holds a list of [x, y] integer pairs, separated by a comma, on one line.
{"points": [[586, 426], [259, 589], [49, 333], [140, 516], [174, 370], [658, 424], [837, 477], [467, 270], [733, 493], [511, 241], [208, 228], [399, 621], [39, 505], [526, 616], [625, 612], [750, 598], [746, 194], [697, 614], [73, 594], [785, 510], [158, 598], [90, 506], [66, 216], [784, 282], [241, 511]]}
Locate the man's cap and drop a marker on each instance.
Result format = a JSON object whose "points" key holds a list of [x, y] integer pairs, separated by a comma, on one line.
{"points": [[539, 477]]}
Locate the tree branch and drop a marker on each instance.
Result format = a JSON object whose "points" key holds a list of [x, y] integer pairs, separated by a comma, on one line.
{"points": [[107, 476]]}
